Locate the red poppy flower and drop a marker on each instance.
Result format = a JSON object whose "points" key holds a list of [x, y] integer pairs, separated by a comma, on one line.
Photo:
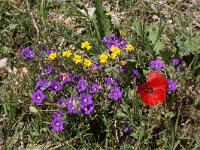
{"points": [[154, 90]]}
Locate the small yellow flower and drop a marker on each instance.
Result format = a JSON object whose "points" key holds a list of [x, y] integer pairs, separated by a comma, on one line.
{"points": [[77, 58], [122, 63], [115, 49], [52, 56], [107, 14], [103, 58], [87, 62], [86, 45], [129, 47], [66, 53], [122, 33], [113, 55]]}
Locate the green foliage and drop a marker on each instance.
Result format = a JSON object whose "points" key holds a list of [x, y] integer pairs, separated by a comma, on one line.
{"points": [[173, 125]]}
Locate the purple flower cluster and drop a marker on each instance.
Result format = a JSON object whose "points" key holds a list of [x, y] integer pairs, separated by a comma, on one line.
{"points": [[57, 123], [72, 104], [83, 104], [28, 52], [115, 92], [156, 64], [110, 81], [114, 40], [86, 103], [171, 85]]}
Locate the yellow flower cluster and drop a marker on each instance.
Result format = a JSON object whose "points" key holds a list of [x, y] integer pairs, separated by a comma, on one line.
{"points": [[103, 58], [77, 58]]}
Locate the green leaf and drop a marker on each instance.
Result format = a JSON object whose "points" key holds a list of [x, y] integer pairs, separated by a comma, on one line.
{"points": [[103, 22], [121, 114]]}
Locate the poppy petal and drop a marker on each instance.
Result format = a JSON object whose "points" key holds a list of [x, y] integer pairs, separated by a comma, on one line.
{"points": [[149, 98], [141, 88], [161, 94], [156, 80]]}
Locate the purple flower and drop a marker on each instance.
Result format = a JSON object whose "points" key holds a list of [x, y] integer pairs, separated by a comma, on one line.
{"points": [[174, 61], [42, 84], [105, 39], [57, 124], [86, 109], [171, 85], [156, 64], [81, 86], [57, 114], [94, 66], [112, 43], [60, 101], [48, 69], [134, 73], [76, 78], [123, 69], [70, 100], [55, 86], [110, 80], [72, 105], [94, 88], [182, 66], [113, 40], [72, 109], [86, 99], [127, 128], [38, 97], [42, 47], [27, 52], [122, 42], [51, 51], [115, 94], [64, 77]]}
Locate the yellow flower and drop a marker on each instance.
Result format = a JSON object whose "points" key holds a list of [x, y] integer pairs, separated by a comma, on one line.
{"points": [[52, 56], [77, 58], [66, 53], [113, 55], [87, 62], [129, 47], [86, 45], [122, 33], [115, 49], [122, 63], [103, 58], [107, 14]]}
